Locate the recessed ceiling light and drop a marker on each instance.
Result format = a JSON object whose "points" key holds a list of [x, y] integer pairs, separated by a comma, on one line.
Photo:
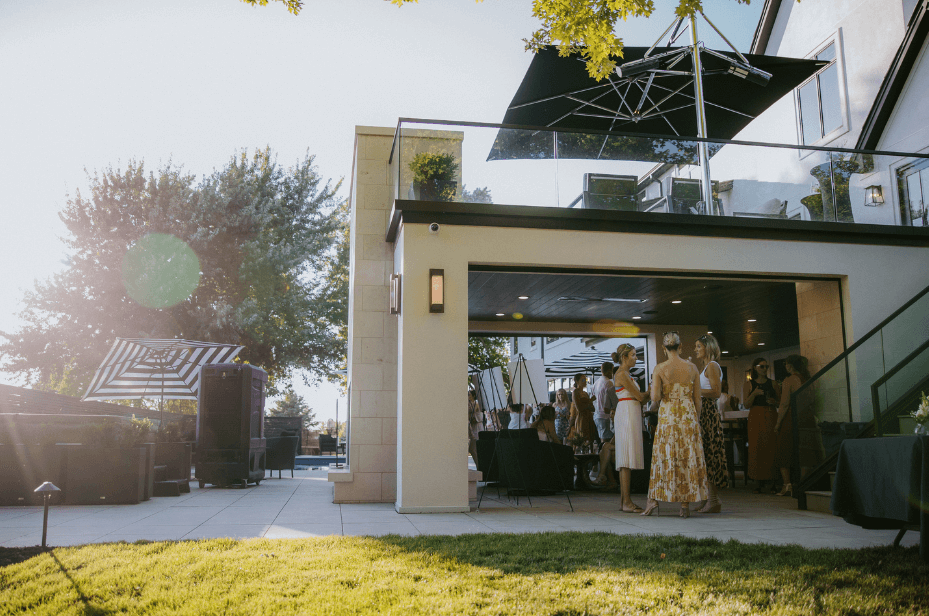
{"points": [[523, 297], [761, 344], [752, 320], [624, 299], [500, 314], [676, 301], [709, 332], [636, 318], [725, 351]]}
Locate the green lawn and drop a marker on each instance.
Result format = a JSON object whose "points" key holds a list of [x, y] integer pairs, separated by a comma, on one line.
{"points": [[549, 573]]}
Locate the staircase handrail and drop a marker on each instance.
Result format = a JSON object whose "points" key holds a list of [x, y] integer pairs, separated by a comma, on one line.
{"points": [[842, 356], [875, 401], [794, 411]]}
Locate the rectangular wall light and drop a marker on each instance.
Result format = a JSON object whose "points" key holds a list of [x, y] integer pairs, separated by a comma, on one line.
{"points": [[436, 290], [395, 294]]}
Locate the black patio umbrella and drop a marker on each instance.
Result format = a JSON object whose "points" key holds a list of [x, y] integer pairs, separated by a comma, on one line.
{"points": [[557, 92]]}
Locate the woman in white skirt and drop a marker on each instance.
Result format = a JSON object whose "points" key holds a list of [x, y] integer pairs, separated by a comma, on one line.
{"points": [[627, 423]]}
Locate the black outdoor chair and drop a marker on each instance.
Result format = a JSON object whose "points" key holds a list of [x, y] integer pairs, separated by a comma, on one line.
{"points": [[281, 454], [327, 443]]}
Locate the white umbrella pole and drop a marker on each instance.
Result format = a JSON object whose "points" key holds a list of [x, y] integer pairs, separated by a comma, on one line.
{"points": [[710, 205]]}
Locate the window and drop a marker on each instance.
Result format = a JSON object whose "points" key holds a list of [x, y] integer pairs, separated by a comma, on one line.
{"points": [[819, 100], [913, 183]]}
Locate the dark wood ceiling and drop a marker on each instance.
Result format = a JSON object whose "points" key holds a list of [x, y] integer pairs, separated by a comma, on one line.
{"points": [[723, 305]]}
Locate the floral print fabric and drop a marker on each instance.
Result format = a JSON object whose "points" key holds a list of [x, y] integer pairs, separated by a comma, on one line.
{"points": [[713, 448], [678, 468]]}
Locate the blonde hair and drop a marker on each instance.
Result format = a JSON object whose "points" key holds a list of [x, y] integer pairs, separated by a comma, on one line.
{"points": [[711, 345], [671, 340], [621, 351]]}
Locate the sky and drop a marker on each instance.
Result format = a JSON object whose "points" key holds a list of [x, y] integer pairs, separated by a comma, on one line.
{"points": [[98, 83]]}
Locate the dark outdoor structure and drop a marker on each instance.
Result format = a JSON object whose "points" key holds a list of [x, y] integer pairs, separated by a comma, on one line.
{"points": [[230, 426]]}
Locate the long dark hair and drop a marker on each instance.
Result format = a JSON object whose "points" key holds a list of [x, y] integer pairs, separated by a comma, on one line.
{"points": [[800, 365], [757, 361]]}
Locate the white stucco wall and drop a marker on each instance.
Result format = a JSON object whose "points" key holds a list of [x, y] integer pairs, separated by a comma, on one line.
{"points": [[432, 473]]}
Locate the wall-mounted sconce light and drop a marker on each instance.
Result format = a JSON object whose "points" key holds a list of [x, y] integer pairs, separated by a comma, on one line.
{"points": [[873, 196], [436, 290], [395, 294]]}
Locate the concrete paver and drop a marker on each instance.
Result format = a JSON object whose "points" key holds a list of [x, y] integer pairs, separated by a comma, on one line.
{"points": [[302, 507]]}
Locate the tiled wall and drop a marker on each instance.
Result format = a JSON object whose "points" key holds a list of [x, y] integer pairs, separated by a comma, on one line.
{"points": [[372, 356]]}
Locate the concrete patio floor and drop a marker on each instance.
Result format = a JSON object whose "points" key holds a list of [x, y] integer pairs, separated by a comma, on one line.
{"points": [[302, 507]]}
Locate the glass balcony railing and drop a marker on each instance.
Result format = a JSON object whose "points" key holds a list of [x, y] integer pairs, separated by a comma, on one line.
{"points": [[483, 163]]}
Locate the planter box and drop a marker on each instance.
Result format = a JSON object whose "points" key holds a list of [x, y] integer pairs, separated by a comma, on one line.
{"points": [[23, 468], [176, 460], [148, 484], [105, 476]]}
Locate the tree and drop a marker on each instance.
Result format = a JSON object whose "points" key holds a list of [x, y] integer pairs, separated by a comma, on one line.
{"points": [[588, 27], [239, 252], [485, 352], [333, 298], [293, 405]]}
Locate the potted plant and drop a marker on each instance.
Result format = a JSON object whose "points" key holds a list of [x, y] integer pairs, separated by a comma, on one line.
{"points": [[434, 176], [111, 464]]}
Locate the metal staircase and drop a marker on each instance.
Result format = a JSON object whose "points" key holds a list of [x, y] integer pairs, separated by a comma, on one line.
{"points": [[865, 392]]}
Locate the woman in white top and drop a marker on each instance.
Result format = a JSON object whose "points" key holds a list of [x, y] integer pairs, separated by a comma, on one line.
{"points": [[711, 428], [627, 424]]}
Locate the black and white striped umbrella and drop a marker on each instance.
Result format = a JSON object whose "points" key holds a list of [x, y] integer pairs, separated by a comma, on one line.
{"points": [[169, 369], [587, 361]]}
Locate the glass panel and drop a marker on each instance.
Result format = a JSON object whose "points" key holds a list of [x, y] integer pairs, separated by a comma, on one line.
{"points": [[827, 54], [521, 167], [809, 113], [829, 98]]}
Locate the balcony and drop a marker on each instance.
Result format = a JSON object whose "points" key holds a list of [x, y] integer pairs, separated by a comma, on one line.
{"points": [[609, 178]]}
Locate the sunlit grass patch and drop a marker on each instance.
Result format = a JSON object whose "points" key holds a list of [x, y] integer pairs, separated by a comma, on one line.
{"points": [[548, 573]]}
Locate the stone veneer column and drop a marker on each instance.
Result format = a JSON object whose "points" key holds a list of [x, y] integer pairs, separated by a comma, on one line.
{"points": [[819, 312], [371, 475]]}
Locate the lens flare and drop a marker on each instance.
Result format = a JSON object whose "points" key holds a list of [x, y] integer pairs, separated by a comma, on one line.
{"points": [[160, 270], [517, 315]]}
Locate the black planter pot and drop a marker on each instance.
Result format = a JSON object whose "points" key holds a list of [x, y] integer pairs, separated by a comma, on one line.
{"points": [[23, 468], [96, 476], [173, 462]]}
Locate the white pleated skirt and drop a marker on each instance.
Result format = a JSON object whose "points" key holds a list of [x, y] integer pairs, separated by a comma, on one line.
{"points": [[628, 425]]}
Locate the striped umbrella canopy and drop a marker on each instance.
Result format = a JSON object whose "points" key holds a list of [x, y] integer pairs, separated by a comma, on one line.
{"points": [[587, 361], [169, 369]]}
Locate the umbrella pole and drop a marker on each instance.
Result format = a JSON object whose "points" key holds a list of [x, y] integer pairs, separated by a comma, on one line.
{"points": [[709, 204]]}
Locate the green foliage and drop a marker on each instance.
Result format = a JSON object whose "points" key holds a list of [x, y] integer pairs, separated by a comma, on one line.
{"points": [[436, 175], [333, 296], [293, 405], [263, 235], [486, 352], [108, 433], [478, 195], [499, 573], [294, 6], [177, 431]]}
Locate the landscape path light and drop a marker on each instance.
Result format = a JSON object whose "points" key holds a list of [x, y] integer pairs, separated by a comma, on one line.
{"points": [[46, 490]]}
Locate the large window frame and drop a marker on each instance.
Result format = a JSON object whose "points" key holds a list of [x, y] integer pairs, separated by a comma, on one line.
{"points": [[835, 40]]}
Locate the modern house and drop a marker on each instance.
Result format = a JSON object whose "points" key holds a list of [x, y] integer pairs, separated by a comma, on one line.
{"points": [[817, 237]]}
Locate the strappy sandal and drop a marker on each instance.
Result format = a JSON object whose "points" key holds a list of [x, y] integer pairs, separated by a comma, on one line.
{"points": [[651, 509], [635, 509]]}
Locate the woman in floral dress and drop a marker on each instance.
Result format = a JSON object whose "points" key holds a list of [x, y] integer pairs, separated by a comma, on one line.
{"points": [[562, 412], [707, 351], [678, 468]]}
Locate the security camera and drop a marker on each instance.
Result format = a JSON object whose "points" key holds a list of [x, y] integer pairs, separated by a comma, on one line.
{"points": [[433, 227]]}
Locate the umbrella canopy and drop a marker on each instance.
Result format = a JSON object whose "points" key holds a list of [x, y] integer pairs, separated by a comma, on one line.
{"points": [[587, 361], [653, 97], [169, 369]]}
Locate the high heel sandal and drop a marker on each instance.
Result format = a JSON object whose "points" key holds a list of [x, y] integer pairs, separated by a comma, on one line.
{"points": [[685, 511], [787, 491], [650, 509], [635, 509]]}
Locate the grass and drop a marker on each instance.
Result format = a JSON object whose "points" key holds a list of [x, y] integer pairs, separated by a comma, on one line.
{"points": [[547, 573]]}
